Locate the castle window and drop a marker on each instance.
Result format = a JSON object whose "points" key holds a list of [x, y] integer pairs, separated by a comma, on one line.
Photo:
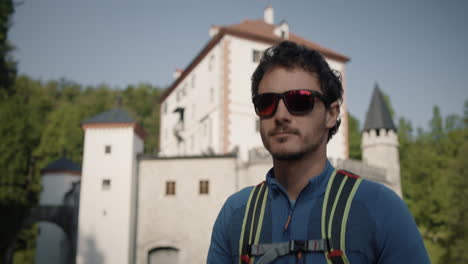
{"points": [[210, 63], [107, 149], [211, 94], [170, 188], [204, 187], [256, 56], [106, 184], [193, 80]]}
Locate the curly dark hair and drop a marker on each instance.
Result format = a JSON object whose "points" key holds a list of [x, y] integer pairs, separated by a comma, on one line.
{"points": [[290, 55]]}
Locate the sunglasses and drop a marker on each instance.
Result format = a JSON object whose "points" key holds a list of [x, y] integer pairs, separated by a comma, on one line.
{"points": [[298, 102]]}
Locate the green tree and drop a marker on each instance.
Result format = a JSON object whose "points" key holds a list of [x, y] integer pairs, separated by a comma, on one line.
{"points": [[457, 208], [62, 132], [436, 124], [7, 65], [354, 138], [143, 101], [19, 184], [434, 177]]}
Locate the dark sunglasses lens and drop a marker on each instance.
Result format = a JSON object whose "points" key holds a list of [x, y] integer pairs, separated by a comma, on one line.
{"points": [[265, 104], [299, 101]]}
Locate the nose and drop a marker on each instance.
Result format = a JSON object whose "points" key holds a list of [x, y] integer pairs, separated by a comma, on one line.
{"points": [[282, 112]]}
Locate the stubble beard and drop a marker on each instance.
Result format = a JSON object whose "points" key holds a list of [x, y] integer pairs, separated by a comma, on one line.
{"points": [[293, 156], [305, 149], [299, 154]]}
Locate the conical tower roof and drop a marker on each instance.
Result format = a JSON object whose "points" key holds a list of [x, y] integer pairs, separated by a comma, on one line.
{"points": [[378, 115], [62, 165]]}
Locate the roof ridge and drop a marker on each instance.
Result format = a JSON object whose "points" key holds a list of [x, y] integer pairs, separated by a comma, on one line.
{"points": [[115, 115]]}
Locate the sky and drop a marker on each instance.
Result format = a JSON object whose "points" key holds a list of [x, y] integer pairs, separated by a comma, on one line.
{"points": [[415, 50]]}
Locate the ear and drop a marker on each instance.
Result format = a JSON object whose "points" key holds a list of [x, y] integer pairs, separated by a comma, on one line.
{"points": [[332, 114]]}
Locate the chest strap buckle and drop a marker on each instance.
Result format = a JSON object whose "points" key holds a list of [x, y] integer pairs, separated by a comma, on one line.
{"points": [[298, 245]]}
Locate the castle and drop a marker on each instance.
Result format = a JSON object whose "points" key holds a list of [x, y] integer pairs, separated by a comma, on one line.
{"points": [[137, 208]]}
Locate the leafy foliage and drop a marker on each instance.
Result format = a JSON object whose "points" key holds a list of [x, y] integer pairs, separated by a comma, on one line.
{"points": [[7, 65], [354, 133], [41, 120], [434, 173]]}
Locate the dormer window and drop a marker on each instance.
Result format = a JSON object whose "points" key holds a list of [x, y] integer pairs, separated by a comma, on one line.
{"points": [[256, 56], [210, 62], [282, 30]]}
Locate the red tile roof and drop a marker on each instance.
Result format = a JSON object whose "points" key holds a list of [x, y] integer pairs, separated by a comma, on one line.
{"points": [[256, 30]]}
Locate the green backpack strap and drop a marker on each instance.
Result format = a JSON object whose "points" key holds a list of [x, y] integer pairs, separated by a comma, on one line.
{"points": [[253, 221], [341, 188]]}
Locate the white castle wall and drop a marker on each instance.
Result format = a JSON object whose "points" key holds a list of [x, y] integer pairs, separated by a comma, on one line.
{"points": [[242, 117], [51, 238], [106, 229], [337, 147], [55, 186], [199, 94], [183, 221], [382, 151], [220, 95]]}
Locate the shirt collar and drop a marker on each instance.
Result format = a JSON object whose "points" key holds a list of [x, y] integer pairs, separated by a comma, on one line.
{"points": [[316, 186]]}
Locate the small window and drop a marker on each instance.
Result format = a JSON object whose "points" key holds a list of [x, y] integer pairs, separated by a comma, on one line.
{"points": [[184, 90], [165, 107], [106, 184], [170, 188], [108, 149], [211, 94], [178, 95], [257, 125], [193, 80], [256, 56], [283, 34], [210, 63], [204, 187]]}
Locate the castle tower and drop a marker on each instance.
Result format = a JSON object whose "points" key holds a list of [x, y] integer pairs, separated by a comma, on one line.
{"points": [[58, 178], [380, 141], [106, 227]]}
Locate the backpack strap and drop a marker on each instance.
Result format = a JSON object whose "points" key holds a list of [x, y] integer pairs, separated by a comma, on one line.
{"points": [[341, 188], [340, 191], [253, 220]]}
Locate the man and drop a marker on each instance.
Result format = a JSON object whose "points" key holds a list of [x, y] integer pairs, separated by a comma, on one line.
{"points": [[297, 97]]}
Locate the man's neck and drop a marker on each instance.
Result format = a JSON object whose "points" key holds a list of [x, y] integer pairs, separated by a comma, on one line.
{"points": [[294, 175]]}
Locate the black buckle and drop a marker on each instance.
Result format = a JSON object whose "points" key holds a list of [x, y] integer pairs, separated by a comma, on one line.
{"points": [[298, 245]]}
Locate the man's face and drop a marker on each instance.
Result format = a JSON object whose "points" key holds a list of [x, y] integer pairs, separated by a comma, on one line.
{"points": [[287, 136]]}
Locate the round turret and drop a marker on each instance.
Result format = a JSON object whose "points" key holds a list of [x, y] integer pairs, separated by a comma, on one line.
{"points": [[380, 141]]}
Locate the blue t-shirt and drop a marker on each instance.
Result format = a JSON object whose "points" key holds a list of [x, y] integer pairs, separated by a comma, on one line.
{"points": [[380, 228]]}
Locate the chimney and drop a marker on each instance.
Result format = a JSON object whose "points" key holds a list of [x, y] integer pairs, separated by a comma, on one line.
{"points": [[213, 31], [268, 15], [177, 73]]}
